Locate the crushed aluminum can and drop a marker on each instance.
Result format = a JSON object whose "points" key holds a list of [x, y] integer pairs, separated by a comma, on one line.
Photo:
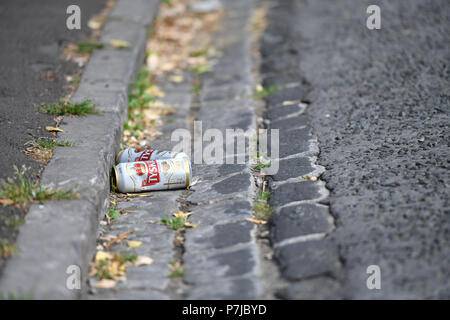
{"points": [[166, 174], [132, 155]]}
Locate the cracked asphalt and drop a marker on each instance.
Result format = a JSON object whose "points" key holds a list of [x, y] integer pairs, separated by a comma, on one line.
{"points": [[379, 104]]}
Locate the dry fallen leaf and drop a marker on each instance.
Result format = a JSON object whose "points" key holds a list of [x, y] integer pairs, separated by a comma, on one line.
{"points": [[94, 23], [189, 225], [53, 129], [6, 201], [194, 181], [134, 244], [176, 79], [105, 284], [257, 221], [101, 255], [117, 239], [138, 194], [289, 103], [182, 214], [120, 44], [142, 261]]}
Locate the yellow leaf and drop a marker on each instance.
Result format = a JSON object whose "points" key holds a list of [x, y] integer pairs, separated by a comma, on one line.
{"points": [[134, 244], [53, 129], [176, 79], [6, 201], [138, 194], [142, 261], [182, 214], [257, 221], [120, 44], [289, 103], [105, 284], [94, 24], [189, 225], [259, 88], [101, 255]]}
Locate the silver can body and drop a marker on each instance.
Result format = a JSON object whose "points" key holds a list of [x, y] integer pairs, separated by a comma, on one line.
{"points": [[132, 155], [139, 176]]}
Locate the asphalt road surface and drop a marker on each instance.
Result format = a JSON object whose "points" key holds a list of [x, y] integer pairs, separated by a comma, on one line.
{"points": [[32, 37], [379, 102]]}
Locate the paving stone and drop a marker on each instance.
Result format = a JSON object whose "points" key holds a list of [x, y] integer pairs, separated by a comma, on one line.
{"points": [[300, 220], [210, 172], [320, 288], [124, 294], [291, 142], [158, 205], [290, 123], [218, 236], [225, 92], [216, 117], [201, 267], [296, 191], [233, 289], [307, 259], [293, 168], [282, 79], [280, 111], [231, 210], [141, 11], [238, 185], [153, 242], [152, 276]]}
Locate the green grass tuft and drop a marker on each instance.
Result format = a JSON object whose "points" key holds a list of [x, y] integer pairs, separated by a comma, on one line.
{"points": [[7, 249], [175, 223], [64, 108], [19, 190], [50, 144], [264, 195], [262, 210], [265, 92], [201, 69], [113, 214], [89, 46]]}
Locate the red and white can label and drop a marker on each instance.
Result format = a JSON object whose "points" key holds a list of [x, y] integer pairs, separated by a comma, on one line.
{"points": [[153, 175]]}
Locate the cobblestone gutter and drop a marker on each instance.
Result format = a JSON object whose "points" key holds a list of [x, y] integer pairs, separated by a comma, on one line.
{"points": [[220, 257]]}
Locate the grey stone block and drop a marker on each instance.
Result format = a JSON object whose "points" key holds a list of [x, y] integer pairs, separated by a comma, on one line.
{"points": [[297, 191], [290, 123], [281, 111], [320, 288], [218, 236], [239, 185], [139, 11], [211, 172], [233, 289], [55, 236], [226, 211], [202, 268], [293, 168], [307, 259], [124, 294], [300, 220], [152, 276], [291, 142]]}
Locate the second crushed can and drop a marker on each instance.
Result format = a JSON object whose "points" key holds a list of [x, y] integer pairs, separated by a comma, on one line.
{"points": [[152, 175], [132, 154]]}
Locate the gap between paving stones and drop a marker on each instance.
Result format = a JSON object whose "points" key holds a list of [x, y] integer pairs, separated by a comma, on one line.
{"points": [[59, 234]]}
